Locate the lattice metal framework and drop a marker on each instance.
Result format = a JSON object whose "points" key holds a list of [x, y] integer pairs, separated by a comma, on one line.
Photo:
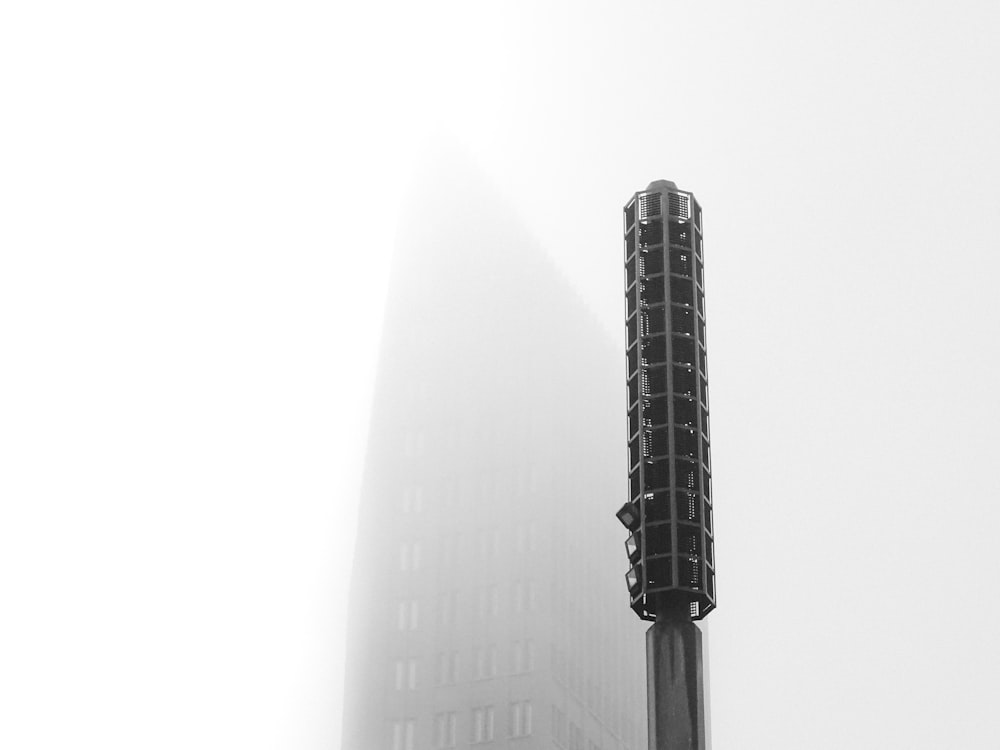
{"points": [[669, 510]]}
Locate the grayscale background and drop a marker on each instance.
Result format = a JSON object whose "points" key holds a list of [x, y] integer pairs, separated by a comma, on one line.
{"points": [[193, 280]]}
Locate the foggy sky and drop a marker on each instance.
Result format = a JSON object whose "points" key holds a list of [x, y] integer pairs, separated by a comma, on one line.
{"points": [[191, 284]]}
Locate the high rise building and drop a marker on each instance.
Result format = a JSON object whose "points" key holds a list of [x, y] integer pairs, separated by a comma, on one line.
{"points": [[485, 605]]}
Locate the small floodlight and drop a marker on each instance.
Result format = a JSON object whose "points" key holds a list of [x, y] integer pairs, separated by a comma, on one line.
{"points": [[628, 514], [632, 578], [632, 547]]}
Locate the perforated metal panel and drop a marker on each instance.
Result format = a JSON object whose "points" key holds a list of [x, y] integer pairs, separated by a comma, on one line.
{"points": [[671, 550], [680, 205], [649, 205]]}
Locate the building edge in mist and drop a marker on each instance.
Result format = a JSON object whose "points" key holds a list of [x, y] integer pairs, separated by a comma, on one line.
{"points": [[483, 599]]}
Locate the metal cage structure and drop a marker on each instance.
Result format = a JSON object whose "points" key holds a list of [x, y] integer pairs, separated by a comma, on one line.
{"points": [[669, 508]]}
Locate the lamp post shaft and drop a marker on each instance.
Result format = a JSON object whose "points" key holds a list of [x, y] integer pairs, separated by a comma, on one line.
{"points": [[675, 685]]}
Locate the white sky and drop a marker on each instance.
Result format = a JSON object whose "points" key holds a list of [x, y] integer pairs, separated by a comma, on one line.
{"points": [[192, 274]]}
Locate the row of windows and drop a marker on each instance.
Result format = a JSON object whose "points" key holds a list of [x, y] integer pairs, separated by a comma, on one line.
{"points": [[448, 665], [486, 545], [482, 726], [449, 491], [496, 486], [523, 598], [578, 680], [610, 685]]}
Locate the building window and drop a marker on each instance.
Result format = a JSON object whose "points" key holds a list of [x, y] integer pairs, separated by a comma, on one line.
{"points": [[482, 724], [524, 596], [520, 597], [407, 615], [448, 608], [486, 662], [489, 601], [525, 537], [445, 725], [447, 668], [403, 732], [409, 556], [575, 737], [413, 500], [520, 719], [406, 674], [559, 665], [523, 657], [441, 669], [558, 727]]}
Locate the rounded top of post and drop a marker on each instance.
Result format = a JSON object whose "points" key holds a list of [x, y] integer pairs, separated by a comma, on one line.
{"points": [[660, 185]]}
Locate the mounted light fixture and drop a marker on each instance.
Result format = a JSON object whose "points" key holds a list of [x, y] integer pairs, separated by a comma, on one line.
{"points": [[634, 579], [632, 547], [628, 514]]}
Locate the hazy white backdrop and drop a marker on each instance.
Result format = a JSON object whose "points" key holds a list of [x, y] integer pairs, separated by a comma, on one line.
{"points": [[193, 254]]}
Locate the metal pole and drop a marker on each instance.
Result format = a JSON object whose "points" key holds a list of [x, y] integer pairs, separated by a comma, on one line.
{"points": [[675, 684]]}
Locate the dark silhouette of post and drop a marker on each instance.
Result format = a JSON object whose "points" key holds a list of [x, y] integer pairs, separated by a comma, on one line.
{"points": [[676, 686], [671, 579]]}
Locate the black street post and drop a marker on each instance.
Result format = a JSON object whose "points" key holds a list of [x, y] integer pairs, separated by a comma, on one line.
{"points": [[671, 578]]}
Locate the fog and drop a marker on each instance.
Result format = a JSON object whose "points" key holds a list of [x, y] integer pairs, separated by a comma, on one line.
{"points": [[487, 597], [201, 203]]}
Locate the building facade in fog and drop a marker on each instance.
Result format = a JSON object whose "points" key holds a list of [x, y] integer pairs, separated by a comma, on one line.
{"points": [[486, 597]]}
